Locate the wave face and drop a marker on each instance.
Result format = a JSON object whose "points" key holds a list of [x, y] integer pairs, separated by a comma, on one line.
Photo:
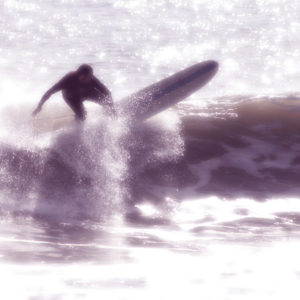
{"points": [[247, 148], [253, 151]]}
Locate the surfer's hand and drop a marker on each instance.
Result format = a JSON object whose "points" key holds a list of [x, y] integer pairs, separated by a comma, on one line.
{"points": [[37, 110]]}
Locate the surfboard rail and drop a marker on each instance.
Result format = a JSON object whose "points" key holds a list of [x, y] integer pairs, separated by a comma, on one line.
{"points": [[168, 91]]}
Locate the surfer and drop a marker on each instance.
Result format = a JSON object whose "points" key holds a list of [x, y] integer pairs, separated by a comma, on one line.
{"points": [[77, 87]]}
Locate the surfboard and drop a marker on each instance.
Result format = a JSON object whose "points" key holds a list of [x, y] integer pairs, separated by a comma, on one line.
{"points": [[168, 92]]}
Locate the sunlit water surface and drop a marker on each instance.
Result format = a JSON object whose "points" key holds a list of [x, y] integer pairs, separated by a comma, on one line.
{"points": [[94, 211]]}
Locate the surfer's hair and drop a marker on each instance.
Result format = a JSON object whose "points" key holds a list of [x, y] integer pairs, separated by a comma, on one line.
{"points": [[85, 70]]}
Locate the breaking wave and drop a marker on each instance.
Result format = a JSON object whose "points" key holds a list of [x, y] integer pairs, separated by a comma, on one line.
{"points": [[233, 147]]}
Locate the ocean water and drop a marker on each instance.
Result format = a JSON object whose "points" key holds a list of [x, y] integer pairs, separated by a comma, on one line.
{"points": [[201, 201]]}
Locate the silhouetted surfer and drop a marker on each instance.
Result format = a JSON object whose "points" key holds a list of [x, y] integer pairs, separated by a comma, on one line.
{"points": [[79, 86]]}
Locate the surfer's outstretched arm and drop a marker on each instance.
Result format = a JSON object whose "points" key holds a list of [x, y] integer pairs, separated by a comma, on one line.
{"points": [[55, 88]]}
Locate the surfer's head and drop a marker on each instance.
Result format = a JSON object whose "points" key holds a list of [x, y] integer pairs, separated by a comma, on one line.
{"points": [[85, 73]]}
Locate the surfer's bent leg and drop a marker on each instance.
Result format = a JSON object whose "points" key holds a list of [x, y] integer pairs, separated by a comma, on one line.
{"points": [[77, 106], [104, 100]]}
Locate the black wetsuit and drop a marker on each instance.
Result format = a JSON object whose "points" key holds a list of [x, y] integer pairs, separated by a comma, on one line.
{"points": [[75, 92]]}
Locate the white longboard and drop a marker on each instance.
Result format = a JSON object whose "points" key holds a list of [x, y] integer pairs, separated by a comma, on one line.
{"points": [[167, 92]]}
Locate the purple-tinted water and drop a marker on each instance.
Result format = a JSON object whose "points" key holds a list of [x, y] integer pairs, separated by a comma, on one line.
{"points": [[200, 202]]}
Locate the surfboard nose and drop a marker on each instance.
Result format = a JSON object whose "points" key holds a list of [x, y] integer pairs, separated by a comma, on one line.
{"points": [[213, 65], [208, 67]]}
